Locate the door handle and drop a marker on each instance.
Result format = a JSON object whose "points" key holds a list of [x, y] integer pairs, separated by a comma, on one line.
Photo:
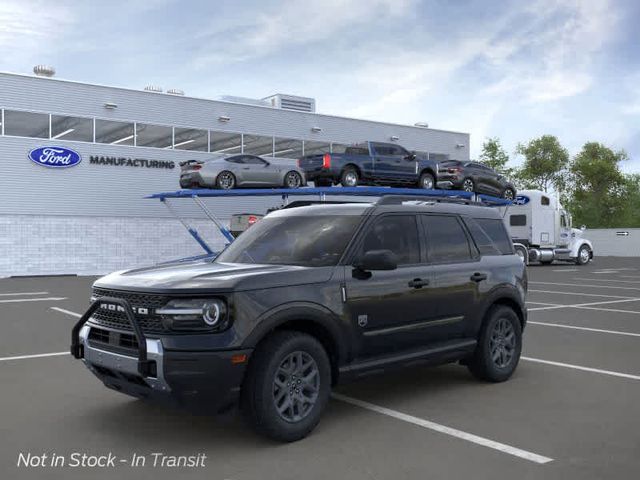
{"points": [[246, 168], [478, 277], [418, 283]]}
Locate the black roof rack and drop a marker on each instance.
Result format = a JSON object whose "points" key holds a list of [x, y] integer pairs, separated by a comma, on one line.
{"points": [[399, 199]]}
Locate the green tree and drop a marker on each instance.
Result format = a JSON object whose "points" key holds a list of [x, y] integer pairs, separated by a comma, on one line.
{"points": [[599, 190], [545, 163], [493, 155], [630, 217]]}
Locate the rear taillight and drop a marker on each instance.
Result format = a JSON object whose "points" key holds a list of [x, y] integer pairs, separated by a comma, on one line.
{"points": [[252, 219], [455, 170], [326, 161], [196, 167]]}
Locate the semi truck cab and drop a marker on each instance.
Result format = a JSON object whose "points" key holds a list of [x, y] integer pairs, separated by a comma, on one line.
{"points": [[541, 230]]}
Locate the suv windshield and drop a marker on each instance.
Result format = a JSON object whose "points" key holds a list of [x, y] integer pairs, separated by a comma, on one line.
{"points": [[310, 241]]}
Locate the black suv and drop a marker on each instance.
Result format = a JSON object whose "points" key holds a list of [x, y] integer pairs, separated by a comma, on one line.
{"points": [[474, 177], [309, 297]]}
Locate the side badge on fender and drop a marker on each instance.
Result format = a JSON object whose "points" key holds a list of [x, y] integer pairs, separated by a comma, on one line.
{"points": [[363, 320]]}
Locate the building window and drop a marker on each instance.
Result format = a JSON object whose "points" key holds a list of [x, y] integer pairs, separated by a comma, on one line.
{"points": [[287, 148], [258, 145], [227, 143], [157, 136], [190, 139], [71, 128], [26, 124], [316, 148], [115, 133]]}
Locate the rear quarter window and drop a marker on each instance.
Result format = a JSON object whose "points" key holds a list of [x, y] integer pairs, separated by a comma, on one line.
{"points": [[490, 236]]}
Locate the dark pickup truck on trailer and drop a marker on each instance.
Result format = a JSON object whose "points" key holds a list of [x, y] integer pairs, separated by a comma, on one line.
{"points": [[309, 297], [371, 163]]}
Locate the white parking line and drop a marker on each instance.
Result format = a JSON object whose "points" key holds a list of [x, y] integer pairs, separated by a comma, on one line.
{"points": [[616, 310], [583, 305], [39, 355], [580, 367], [566, 270], [579, 293], [584, 285], [586, 329], [485, 442], [68, 312], [606, 280], [22, 293], [19, 300]]}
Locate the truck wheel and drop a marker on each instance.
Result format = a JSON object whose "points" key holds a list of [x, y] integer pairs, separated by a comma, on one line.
{"points": [[508, 194], [226, 180], [349, 177], [468, 185], [521, 251], [499, 346], [584, 255], [287, 386], [426, 181]]}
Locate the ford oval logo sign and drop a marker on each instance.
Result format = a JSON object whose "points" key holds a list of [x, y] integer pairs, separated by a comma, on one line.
{"points": [[521, 200], [55, 157]]}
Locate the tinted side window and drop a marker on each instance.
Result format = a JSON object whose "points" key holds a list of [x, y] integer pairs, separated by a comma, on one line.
{"points": [[518, 220], [398, 233], [235, 159], [493, 231], [544, 201], [446, 239], [253, 160]]}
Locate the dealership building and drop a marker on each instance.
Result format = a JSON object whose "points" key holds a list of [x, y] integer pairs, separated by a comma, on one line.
{"points": [[91, 217]]}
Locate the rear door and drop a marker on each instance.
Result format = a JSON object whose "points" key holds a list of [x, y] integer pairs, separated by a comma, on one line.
{"points": [[456, 270]]}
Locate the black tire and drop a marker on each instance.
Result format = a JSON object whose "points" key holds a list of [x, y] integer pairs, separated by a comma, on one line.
{"points": [[509, 194], [292, 179], [483, 364], [349, 177], [468, 185], [427, 181], [226, 180], [322, 182], [584, 255], [258, 397]]}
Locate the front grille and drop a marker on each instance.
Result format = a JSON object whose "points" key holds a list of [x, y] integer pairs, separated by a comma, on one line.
{"points": [[115, 319], [113, 341]]}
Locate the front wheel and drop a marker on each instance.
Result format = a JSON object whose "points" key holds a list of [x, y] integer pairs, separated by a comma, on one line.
{"points": [[293, 180], [499, 346], [509, 194], [584, 255], [426, 181], [468, 185], [287, 386]]}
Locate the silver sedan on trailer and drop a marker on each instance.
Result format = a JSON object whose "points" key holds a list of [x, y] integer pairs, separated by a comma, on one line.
{"points": [[231, 171]]}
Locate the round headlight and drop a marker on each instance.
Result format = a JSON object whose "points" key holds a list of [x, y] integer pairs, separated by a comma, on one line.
{"points": [[211, 313]]}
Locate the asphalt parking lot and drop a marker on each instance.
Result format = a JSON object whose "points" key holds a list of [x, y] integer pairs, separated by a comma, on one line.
{"points": [[571, 410]]}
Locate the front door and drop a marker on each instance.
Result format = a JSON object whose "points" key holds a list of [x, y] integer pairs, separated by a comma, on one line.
{"points": [[390, 310], [392, 163]]}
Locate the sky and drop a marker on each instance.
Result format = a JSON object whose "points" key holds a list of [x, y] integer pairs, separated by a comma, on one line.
{"points": [[508, 69]]}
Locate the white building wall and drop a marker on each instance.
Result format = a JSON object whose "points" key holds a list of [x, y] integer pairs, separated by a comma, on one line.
{"points": [[607, 242]]}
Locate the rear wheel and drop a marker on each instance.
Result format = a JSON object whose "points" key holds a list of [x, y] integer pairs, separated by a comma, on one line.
{"points": [[292, 179], [349, 177], [426, 181], [584, 255], [287, 386], [468, 185], [226, 180], [499, 346]]}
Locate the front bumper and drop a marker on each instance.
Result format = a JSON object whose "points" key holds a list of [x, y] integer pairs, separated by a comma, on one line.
{"points": [[191, 379]]}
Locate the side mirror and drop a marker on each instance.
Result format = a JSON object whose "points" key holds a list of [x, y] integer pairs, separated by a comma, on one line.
{"points": [[410, 157], [377, 260]]}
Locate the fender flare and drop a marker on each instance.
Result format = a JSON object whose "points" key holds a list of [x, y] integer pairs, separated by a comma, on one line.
{"points": [[317, 314], [501, 293]]}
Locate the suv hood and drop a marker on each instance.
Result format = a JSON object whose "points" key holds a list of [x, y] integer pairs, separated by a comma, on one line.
{"points": [[204, 276]]}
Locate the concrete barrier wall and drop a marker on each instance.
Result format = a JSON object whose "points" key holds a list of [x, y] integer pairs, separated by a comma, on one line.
{"points": [[612, 242]]}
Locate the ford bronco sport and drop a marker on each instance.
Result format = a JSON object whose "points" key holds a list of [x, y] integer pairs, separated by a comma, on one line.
{"points": [[309, 297]]}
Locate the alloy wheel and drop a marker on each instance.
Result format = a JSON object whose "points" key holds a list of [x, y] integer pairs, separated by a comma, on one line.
{"points": [[508, 194], [226, 180], [351, 179], [427, 182], [296, 386], [293, 180], [467, 185], [584, 255], [502, 343]]}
